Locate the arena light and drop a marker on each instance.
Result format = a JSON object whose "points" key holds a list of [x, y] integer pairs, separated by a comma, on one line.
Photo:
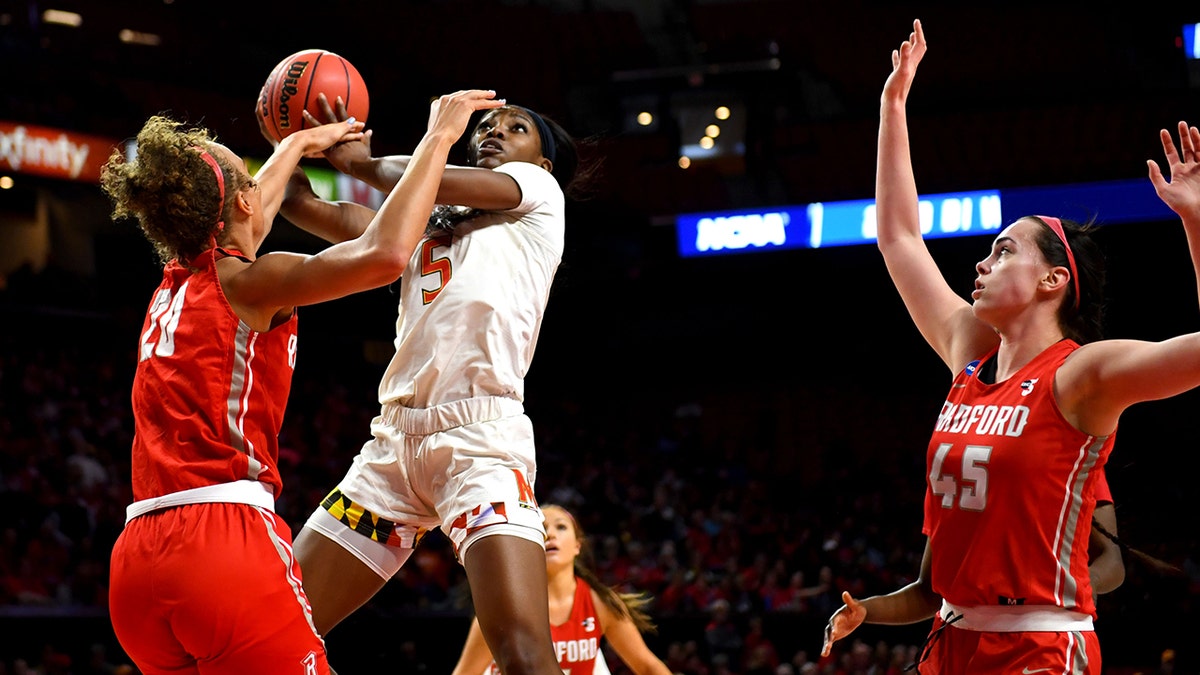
{"points": [[695, 112], [133, 37], [1191, 41], [62, 17]]}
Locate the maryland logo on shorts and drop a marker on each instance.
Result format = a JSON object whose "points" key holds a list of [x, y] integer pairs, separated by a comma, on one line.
{"points": [[366, 523], [525, 498]]}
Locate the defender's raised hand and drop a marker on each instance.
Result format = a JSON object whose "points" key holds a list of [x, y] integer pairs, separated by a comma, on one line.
{"points": [[452, 112], [904, 65], [1182, 191], [341, 155]]}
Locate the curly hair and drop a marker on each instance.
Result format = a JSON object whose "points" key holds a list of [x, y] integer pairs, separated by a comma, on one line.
{"points": [[170, 189]]}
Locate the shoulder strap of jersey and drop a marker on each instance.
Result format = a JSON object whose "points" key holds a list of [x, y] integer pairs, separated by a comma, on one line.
{"points": [[232, 252]]}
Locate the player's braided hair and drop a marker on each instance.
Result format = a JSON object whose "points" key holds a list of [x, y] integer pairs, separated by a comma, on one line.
{"points": [[1155, 564], [445, 217]]}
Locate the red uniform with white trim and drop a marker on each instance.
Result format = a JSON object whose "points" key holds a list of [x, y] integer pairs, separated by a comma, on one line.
{"points": [[209, 394], [203, 577], [973, 652], [577, 640], [1010, 492], [1008, 512]]}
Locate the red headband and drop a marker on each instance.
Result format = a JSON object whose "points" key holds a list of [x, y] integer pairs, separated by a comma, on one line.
{"points": [[1056, 226], [221, 183]]}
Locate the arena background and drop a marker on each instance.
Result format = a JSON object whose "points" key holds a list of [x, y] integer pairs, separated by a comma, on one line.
{"points": [[787, 391]]}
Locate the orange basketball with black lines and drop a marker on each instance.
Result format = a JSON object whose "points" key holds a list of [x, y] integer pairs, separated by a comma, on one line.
{"points": [[293, 86]]}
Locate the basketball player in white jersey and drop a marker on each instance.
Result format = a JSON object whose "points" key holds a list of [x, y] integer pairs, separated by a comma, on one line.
{"points": [[452, 447]]}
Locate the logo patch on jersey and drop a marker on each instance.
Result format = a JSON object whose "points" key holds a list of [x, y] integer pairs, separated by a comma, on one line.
{"points": [[971, 368], [589, 624], [1001, 600], [1027, 386]]}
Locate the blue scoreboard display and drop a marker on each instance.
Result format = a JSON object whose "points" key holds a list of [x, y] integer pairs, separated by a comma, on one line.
{"points": [[956, 214]]}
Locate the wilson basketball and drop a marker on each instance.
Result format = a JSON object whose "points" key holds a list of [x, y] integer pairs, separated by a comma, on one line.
{"points": [[293, 86]]}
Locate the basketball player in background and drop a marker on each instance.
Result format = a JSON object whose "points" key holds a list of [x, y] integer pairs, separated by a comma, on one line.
{"points": [[203, 578], [582, 610]]}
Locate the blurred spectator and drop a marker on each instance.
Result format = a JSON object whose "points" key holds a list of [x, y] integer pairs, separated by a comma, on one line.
{"points": [[722, 635], [759, 655], [1166, 663]]}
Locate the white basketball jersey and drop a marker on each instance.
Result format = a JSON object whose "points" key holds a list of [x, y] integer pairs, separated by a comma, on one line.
{"points": [[471, 301]]}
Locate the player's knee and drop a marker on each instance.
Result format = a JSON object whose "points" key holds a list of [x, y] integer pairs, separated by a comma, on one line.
{"points": [[524, 651], [527, 661]]}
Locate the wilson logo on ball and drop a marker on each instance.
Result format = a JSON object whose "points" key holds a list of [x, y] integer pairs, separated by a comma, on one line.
{"points": [[294, 84], [289, 89]]}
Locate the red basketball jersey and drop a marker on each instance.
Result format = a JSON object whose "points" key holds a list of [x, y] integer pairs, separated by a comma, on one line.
{"points": [[1010, 491], [209, 392], [577, 641]]}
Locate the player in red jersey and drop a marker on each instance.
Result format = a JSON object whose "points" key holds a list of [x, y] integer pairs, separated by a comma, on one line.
{"points": [[1030, 418], [582, 609], [203, 578], [1106, 570]]}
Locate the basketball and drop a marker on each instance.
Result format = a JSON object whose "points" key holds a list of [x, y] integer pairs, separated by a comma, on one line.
{"points": [[293, 86]]}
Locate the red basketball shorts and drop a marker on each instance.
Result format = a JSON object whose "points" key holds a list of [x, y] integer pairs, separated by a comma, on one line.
{"points": [[212, 588], [957, 651]]}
